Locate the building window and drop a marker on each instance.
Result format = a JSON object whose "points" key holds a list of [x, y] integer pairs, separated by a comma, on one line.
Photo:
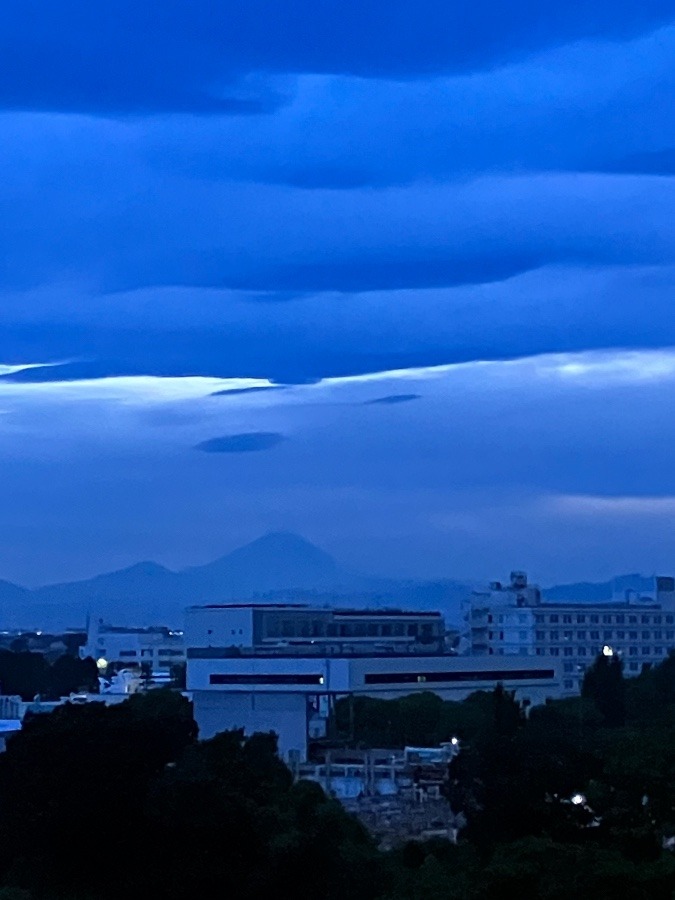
{"points": [[554, 651], [670, 635], [553, 620], [567, 635], [670, 620], [127, 653], [632, 635], [539, 620], [595, 635], [554, 636], [657, 620], [541, 635], [606, 620], [632, 651], [567, 620], [645, 635], [646, 651], [644, 620], [568, 651], [146, 652], [540, 651], [595, 620], [621, 635], [658, 651], [581, 635], [581, 620], [657, 635], [632, 620], [581, 651], [607, 635], [620, 620], [569, 684]]}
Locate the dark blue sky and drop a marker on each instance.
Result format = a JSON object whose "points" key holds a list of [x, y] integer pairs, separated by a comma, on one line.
{"points": [[446, 227]]}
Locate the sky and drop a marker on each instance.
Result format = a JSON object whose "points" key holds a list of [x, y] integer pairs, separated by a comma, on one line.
{"points": [[396, 276]]}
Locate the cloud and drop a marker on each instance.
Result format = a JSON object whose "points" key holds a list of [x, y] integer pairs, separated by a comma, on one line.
{"points": [[224, 333], [497, 465], [241, 443], [392, 399], [201, 56]]}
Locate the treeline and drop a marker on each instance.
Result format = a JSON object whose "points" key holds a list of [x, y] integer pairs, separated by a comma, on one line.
{"points": [[28, 675], [573, 799], [123, 801]]}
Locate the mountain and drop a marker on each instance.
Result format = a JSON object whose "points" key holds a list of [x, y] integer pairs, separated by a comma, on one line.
{"points": [[598, 592], [276, 561], [12, 593], [277, 567]]}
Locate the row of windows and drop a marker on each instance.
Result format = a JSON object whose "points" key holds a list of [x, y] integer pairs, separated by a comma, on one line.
{"points": [[388, 677], [301, 626], [593, 651], [265, 679], [422, 677], [607, 635], [605, 619], [131, 654]]}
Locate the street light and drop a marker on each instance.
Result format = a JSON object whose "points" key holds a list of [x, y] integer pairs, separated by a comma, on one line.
{"points": [[607, 650]]}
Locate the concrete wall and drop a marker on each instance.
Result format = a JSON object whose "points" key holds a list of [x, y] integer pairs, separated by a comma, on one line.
{"points": [[218, 626], [285, 714]]}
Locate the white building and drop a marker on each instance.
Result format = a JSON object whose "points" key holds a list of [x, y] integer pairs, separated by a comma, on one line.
{"points": [[290, 663], [512, 619], [158, 647]]}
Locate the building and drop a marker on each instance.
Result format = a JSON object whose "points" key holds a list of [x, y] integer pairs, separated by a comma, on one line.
{"points": [[296, 627], [157, 648], [281, 667], [513, 620]]}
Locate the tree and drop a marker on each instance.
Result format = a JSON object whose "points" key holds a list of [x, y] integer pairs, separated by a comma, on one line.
{"points": [[605, 685]]}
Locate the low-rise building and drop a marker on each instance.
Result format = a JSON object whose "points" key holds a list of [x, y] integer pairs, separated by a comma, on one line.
{"points": [[157, 648], [281, 681]]}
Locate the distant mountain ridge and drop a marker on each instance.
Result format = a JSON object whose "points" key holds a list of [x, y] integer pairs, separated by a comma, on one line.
{"points": [[277, 566], [148, 593]]}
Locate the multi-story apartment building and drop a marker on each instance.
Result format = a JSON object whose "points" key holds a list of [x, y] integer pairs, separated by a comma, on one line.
{"points": [[513, 619]]}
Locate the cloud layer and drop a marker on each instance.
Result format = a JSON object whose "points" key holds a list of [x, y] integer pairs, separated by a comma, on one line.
{"points": [[247, 226]]}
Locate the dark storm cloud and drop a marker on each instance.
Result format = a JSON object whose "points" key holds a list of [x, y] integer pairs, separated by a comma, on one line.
{"points": [[233, 392], [139, 56], [241, 443], [392, 399]]}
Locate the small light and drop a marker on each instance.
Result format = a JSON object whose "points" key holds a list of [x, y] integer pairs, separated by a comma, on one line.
{"points": [[607, 650], [578, 799], [102, 663], [321, 679], [454, 741]]}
